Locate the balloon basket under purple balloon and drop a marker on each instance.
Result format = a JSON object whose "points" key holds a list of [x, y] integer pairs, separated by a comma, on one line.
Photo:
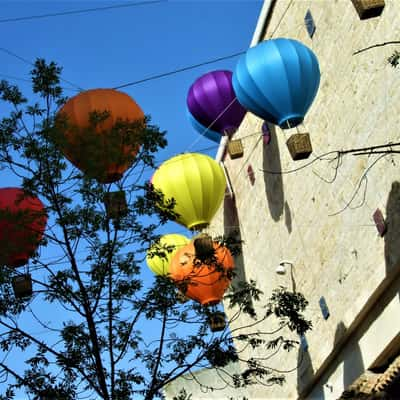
{"points": [[235, 149]]}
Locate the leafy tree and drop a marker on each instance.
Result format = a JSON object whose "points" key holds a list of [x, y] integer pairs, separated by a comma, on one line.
{"points": [[92, 328]]}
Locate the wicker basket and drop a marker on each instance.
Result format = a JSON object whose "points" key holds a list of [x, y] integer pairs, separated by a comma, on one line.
{"points": [[299, 146], [22, 285], [217, 321], [204, 247], [369, 8], [235, 148], [116, 206]]}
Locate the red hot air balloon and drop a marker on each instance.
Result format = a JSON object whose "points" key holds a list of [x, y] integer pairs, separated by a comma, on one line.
{"points": [[104, 151], [22, 224]]}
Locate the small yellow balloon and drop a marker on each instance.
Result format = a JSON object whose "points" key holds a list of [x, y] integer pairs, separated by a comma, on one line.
{"points": [[197, 184], [167, 247]]}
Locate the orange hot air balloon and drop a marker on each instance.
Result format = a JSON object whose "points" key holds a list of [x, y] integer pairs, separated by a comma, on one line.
{"points": [[201, 281], [106, 149], [22, 224]]}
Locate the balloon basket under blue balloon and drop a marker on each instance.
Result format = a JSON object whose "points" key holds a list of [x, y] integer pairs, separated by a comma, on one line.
{"points": [[368, 8], [299, 146]]}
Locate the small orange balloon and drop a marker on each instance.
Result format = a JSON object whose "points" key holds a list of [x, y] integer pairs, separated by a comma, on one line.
{"points": [[103, 150], [200, 281]]}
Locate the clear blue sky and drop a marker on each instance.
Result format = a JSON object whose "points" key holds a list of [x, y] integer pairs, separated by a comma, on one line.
{"points": [[116, 46], [112, 47]]}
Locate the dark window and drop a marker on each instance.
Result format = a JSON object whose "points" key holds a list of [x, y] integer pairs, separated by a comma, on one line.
{"points": [[310, 25]]}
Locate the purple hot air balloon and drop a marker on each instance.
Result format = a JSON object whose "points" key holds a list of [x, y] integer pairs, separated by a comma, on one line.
{"points": [[212, 103]]}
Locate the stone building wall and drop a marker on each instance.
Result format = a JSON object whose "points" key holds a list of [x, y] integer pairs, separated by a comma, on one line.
{"points": [[317, 213]]}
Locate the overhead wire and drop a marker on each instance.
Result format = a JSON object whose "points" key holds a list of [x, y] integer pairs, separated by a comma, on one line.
{"points": [[143, 80], [159, 162], [81, 11], [178, 70], [150, 78], [133, 83], [16, 78], [207, 128], [12, 54], [153, 77]]}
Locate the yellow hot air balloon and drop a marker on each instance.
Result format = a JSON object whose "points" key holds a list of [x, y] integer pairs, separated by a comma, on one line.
{"points": [[196, 182], [160, 263]]}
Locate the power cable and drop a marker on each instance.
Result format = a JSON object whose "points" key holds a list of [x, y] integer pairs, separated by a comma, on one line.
{"points": [[176, 71], [82, 11], [206, 128], [15, 78], [204, 149], [150, 78], [12, 54]]}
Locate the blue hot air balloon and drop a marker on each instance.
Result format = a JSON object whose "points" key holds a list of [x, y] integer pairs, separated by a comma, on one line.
{"points": [[277, 80]]}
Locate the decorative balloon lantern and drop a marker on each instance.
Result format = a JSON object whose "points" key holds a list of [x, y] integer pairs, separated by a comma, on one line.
{"points": [[160, 254], [277, 80], [212, 103], [102, 149], [201, 276], [22, 224], [197, 184]]}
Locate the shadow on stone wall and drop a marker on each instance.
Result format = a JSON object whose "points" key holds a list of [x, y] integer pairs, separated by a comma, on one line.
{"points": [[351, 360], [353, 364], [288, 217], [392, 236], [273, 182], [232, 228], [305, 373]]}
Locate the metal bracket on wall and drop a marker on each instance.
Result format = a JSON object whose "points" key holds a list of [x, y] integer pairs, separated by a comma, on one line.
{"points": [[229, 188]]}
